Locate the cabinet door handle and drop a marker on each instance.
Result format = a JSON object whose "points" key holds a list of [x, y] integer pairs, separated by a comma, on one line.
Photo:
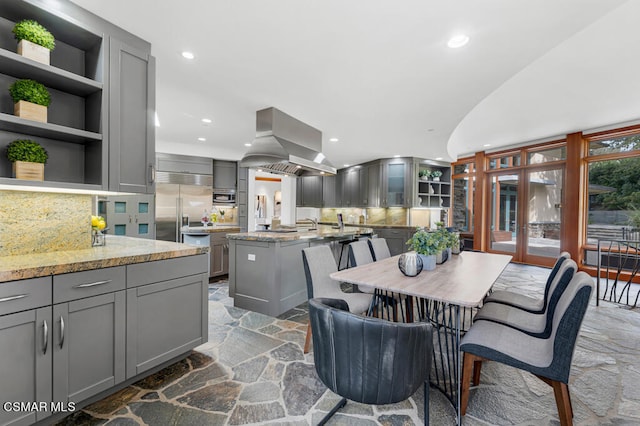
{"points": [[61, 332], [45, 336], [93, 284], [152, 173], [10, 298]]}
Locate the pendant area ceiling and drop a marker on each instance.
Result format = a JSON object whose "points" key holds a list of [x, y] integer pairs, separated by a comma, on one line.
{"points": [[378, 75]]}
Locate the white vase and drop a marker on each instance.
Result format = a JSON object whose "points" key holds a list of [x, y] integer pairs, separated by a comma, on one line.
{"points": [[428, 262], [442, 256]]}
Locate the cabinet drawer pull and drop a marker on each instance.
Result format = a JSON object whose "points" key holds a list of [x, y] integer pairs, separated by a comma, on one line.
{"points": [[45, 342], [61, 332], [10, 298], [85, 285]]}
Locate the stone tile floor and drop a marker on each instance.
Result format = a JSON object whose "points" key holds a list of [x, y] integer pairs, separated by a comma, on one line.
{"points": [[253, 371]]}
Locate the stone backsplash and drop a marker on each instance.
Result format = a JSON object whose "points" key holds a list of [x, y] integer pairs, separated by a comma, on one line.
{"points": [[36, 222]]}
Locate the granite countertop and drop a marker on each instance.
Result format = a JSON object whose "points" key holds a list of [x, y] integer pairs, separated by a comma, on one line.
{"points": [[117, 251], [210, 229], [374, 226], [322, 232]]}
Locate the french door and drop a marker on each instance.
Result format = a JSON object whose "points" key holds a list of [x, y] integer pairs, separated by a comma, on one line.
{"points": [[524, 216]]}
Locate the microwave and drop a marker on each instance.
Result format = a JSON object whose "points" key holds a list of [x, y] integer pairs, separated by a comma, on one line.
{"points": [[224, 196]]}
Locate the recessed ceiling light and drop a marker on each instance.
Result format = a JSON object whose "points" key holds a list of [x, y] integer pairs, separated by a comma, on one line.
{"points": [[188, 55], [396, 156], [458, 41], [487, 144], [321, 173], [247, 144], [260, 170], [206, 120], [346, 165], [334, 140], [201, 139], [438, 158], [298, 167]]}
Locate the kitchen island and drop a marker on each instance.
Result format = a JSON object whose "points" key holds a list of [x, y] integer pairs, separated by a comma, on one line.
{"points": [[265, 268], [78, 325]]}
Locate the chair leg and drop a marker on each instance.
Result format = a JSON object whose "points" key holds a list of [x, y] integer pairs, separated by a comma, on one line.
{"points": [[426, 403], [467, 370], [561, 392], [477, 366], [307, 340], [334, 410], [409, 303]]}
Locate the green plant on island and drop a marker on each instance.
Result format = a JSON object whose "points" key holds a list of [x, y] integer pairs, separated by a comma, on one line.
{"points": [[35, 33], [426, 243], [30, 91], [26, 150]]}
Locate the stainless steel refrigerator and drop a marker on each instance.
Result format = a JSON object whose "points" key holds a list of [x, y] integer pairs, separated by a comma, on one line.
{"points": [[180, 200]]}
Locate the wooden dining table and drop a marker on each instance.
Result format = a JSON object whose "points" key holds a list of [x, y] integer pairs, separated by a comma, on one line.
{"points": [[445, 296]]}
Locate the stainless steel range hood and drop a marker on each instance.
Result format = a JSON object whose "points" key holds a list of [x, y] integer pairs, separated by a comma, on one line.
{"points": [[284, 144]]}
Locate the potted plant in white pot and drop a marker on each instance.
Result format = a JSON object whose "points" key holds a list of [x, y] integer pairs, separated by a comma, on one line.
{"points": [[426, 244], [34, 41], [424, 174], [30, 99], [28, 158], [442, 235], [435, 175]]}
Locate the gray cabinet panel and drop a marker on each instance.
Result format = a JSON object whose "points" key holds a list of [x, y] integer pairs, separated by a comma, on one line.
{"points": [[26, 365], [165, 320], [162, 270], [83, 284], [219, 255], [25, 294], [88, 346], [131, 121], [396, 239], [309, 191], [329, 191], [224, 174]]}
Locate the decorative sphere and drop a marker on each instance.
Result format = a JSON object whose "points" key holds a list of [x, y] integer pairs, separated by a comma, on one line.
{"points": [[410, 264]]}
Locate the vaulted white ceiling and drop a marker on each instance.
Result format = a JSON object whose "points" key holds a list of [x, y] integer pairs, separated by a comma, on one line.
{"points": [[378, 75]]}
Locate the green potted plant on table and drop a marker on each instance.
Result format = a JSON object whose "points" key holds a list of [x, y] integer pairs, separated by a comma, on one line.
{"points": [[28, 158], [443, 237], [427, 245], [34, 41], [31, 100]]}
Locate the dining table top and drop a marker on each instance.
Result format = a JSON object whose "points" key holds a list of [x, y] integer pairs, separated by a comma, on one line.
{"points": [[463, 280]]}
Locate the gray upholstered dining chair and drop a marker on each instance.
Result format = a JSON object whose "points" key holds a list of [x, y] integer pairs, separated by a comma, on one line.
{"points": [[360, 254], [535, 324], [379, 248], [524, 302], [547, 358], [369, 360], [318, 263]]}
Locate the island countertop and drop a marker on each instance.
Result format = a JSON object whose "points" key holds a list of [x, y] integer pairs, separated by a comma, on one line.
{"points": [[117, 251], [322, 232], [209, 229]]}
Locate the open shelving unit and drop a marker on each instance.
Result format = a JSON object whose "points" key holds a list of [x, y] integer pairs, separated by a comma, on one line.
{"points": [[434, 194], [73, 135]]}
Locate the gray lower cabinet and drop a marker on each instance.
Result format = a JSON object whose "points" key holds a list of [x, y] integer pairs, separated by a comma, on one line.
{"points": [[396, 239], [26, 363], [167, 310], [219, 247], [72, 336], [88, 346], [88, 332]]}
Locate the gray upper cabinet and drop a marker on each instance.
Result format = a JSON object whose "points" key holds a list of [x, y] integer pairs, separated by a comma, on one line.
{"points": [[396, 183], [131, 119], [225, 174], [330, 193], [86, 95], [309, 191], [355, 187]]}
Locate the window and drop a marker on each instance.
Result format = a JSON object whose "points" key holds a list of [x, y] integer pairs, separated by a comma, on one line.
{"points": [[504, 161], [623, 144], [545, 155]]}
